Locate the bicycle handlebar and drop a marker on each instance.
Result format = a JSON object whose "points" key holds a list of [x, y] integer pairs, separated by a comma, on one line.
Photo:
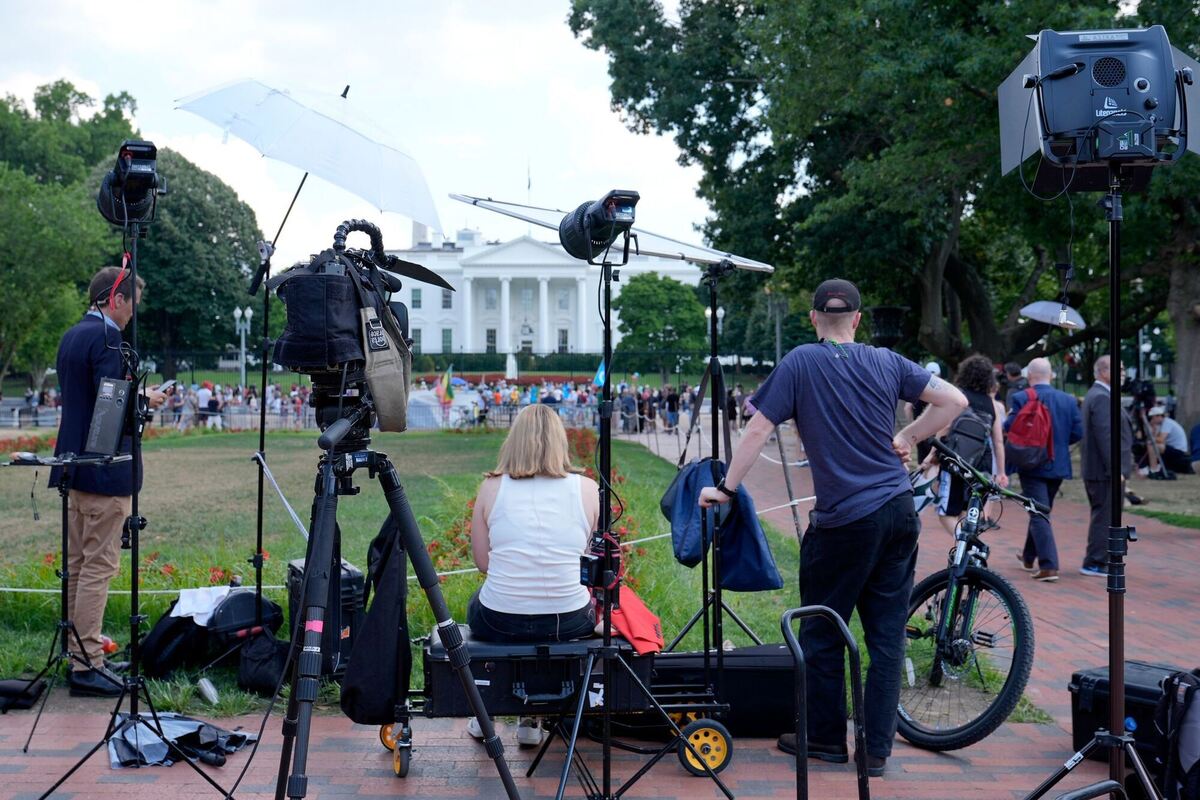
{"points": [[973, 475]]}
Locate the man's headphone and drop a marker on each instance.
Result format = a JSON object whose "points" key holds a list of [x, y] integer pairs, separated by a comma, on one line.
{"points": [[110, 294]]}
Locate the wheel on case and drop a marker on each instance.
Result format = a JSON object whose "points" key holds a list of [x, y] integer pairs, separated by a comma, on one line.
{"points": [[711, 740], [401, 760], [387, 736]]}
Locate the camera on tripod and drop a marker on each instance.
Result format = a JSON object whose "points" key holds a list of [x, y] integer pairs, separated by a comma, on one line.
{"points": [[343, 332]]}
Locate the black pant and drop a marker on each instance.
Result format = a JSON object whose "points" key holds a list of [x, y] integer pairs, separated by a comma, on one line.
{"points": [[497, 626], [867, 564], [1177, 460], [1100, 499], [1039, 541]]}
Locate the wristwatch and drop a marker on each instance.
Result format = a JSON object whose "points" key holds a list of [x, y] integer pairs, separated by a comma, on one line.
{"points": [[725, 490]]}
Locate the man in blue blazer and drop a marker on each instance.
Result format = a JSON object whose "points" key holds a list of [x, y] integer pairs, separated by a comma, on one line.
{"points": [[99, 498], [1042, 483]]}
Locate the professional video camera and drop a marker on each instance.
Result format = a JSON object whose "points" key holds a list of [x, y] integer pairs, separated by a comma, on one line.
{"points": [[1142, 392], [343, 332]]}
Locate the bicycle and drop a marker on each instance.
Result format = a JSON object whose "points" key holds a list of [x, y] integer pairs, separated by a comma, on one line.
{"points": [[969, 635]]}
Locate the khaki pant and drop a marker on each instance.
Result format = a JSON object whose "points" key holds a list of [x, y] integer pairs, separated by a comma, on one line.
{"points": [[94, 523]]}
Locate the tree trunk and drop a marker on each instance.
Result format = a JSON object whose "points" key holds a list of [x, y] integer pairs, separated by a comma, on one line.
{"points": [[1183, 304]]}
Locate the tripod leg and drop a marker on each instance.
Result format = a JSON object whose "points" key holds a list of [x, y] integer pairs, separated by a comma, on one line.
{"points": [[42, 703], [1134, 760], [575, 723], [448, 631], [1063, 771], [306, 678], [289, 728]]}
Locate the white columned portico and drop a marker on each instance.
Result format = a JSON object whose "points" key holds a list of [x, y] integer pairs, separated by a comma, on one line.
{"points": [[581, 342], [505, 313], [543, 315], [468, 344]]}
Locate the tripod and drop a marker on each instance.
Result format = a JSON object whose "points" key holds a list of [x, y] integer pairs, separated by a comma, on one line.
{"points": [[1120, 745], [134, 723], [64, 627], [714, 607], [345, 443]]}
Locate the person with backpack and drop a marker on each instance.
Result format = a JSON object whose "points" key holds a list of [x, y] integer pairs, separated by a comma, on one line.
{"points": [[975, 434], [1042, 424]]}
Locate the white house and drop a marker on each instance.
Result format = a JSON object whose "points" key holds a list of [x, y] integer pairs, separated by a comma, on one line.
{"points": [[520, 295]]}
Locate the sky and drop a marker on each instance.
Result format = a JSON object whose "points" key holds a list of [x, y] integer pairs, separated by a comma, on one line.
{"points": [[486, 96]]}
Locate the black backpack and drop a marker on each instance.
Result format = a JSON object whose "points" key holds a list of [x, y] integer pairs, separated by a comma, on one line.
{"points": [[1177, 719], [172, 643], [971, 437], [376, 682]]}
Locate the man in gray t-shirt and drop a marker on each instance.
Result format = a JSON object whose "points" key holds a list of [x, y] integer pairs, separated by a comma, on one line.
{"points": [[860, 547]]}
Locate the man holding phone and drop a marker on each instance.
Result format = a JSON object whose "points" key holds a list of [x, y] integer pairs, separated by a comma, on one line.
{"points": [[100, 497]]}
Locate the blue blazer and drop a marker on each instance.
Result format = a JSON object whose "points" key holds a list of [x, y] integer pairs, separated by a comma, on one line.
{"points": [[1067, 422], [86, 354]]}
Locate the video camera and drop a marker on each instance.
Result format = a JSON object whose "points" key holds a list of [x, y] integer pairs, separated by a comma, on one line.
{"points": [[344, 333]]}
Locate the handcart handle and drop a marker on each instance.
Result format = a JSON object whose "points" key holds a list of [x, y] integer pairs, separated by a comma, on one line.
{"points": [[856, 696], [1101, 789], [568, 690]]}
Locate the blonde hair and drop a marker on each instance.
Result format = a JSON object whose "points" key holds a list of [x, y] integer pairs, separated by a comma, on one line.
{"points": [[536, 445]]}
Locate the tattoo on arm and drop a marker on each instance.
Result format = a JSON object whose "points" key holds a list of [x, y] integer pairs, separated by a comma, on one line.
{"points": [[935, 382]]}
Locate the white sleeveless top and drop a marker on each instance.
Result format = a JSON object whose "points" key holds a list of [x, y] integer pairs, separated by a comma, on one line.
{"points": [[537, 531]]}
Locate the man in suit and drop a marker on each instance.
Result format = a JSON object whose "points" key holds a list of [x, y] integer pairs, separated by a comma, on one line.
{"points": [[1042, 483], [1096, 464], [99, 498]]}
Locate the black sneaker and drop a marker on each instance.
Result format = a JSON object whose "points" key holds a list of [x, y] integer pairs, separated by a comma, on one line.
{"points": [[94, 683], [825, 752]]}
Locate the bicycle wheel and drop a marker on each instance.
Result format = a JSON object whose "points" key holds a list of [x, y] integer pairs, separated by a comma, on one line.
{"points": [[954, 695]]}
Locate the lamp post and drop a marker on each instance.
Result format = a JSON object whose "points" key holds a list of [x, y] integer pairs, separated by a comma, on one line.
{"points": [[241, 321], [720, 317]]}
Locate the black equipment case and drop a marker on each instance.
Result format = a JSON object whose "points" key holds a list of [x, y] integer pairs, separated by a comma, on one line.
{"points": [[337, 639], [1089, 706], [759, 686], [516, 678]]}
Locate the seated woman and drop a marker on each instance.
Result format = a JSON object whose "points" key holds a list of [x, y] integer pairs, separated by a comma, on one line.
{"points": [[532, 520]]}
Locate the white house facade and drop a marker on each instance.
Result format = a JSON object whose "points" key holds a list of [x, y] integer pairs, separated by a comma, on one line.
{"points": [[521, 295]]}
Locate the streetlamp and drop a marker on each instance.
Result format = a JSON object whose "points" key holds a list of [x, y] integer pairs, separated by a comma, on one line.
{"points": [[720, 316], [241, 322]]}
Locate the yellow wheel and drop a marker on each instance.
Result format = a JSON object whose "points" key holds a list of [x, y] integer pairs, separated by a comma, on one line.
{"points": [[401, 758], [387, 736], [711, 740]]}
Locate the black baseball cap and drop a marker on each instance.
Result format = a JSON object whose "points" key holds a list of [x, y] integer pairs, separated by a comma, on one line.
{"points": [[836, 289]]}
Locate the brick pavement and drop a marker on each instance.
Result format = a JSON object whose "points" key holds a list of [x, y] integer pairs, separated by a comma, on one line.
{"points": [[347, 760]]}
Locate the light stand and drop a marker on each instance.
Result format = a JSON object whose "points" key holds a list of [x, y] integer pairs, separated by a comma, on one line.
{"points": [[609, 591], [134, 685], [1120, 745]]}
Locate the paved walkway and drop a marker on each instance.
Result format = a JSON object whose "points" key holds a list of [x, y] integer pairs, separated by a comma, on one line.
{"points": [[1071, 629]]}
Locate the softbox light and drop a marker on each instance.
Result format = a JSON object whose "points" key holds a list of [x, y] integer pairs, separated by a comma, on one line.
{"points": [[1090, 99]]}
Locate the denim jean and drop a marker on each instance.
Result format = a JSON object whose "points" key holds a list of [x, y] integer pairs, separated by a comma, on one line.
{"points": [[497, 626], [867, 564], [1039, 541]]}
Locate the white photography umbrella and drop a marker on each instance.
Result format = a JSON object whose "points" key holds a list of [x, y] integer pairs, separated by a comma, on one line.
{"points": [[323, 134]]}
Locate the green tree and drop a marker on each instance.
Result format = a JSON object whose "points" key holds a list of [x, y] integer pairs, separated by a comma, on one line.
{"points": [[51, 241], [659, 318], [862, 139], [196, 259]]}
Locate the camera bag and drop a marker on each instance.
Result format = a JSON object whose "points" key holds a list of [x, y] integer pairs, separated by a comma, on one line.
{"points": [[1090, 692], [388, 366]]}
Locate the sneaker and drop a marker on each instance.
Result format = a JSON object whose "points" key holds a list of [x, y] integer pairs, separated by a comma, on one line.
{"points": [[1135, 500], [876, 766], [529, 732], [832, 753], [1028, 566], [94, 683], [1095, 572], [1045, 575], [474, 730]]}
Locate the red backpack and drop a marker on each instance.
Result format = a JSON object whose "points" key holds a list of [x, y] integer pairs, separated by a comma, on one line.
{"points": [[1031, 436]]}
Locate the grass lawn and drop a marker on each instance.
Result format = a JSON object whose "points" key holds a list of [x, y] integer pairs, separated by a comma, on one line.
{"points": [[199, 498]]}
